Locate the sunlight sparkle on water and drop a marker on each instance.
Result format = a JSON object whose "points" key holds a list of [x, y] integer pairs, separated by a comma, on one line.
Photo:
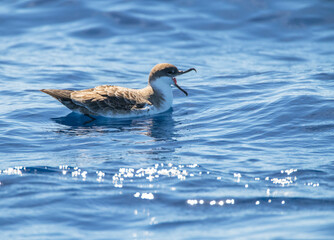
{"points": [[12, 171], [237, 176], [193, 202], [152, 173], [289, 171], [77, 173], [100, 176], [148, 196]]}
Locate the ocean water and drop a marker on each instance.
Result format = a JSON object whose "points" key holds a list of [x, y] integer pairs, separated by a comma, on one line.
{"points": [[249, 154]]}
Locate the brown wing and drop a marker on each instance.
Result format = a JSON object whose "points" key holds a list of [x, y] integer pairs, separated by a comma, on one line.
{"points": [[109, 98]]}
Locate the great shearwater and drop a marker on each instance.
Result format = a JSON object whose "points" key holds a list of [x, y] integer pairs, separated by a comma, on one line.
{"points": [[121, 102]]}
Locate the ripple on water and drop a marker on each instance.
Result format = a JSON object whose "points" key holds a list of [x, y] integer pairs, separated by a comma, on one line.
{"points": [[247, 153]]}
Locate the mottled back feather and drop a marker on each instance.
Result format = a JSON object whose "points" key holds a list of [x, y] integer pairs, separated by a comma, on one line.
{"points": [[101, 99]]}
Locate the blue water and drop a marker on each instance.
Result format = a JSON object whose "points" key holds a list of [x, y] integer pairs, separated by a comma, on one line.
{"points": [[247, 155]]}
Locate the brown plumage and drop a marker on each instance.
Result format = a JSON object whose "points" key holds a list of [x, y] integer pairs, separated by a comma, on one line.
{"points": [[117, 101]]}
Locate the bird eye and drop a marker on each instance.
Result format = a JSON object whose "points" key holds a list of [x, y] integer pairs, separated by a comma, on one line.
{"points": [[170, 72]]}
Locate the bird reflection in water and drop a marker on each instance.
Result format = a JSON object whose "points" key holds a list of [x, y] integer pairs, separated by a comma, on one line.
{"points": [[160, 127]]}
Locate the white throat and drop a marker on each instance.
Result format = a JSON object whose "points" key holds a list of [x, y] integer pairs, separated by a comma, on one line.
{"points": [[163, 85]]}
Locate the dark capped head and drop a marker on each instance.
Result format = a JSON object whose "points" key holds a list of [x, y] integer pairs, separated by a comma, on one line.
{"points": [[167, 72]]}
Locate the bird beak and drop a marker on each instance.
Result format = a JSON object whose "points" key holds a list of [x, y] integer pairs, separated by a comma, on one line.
{"points": [[183, 72], [180, 73]]}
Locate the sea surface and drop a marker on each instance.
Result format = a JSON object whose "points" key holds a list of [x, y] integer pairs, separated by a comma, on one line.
{"points": [[249, 154]]}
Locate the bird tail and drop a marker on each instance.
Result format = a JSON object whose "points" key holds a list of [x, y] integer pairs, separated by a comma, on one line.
{"points": [[58, 94], [63, 96]]}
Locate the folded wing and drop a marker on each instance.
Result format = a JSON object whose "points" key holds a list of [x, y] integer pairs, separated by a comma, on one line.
{"points": [[103, 99]]}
